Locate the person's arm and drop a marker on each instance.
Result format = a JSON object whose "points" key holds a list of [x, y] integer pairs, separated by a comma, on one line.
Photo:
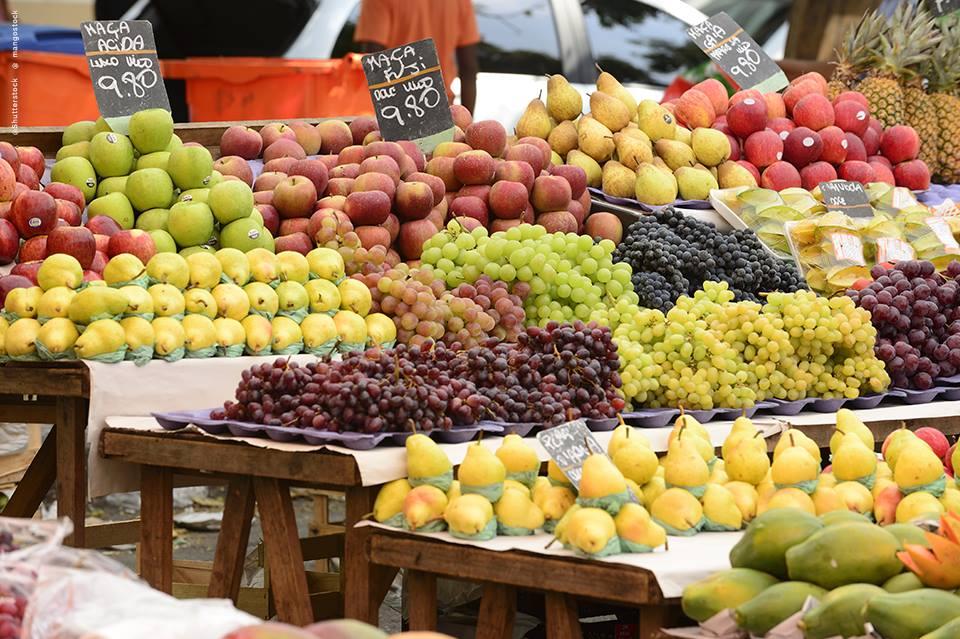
{"points": [[467, 70], [373, 26]]}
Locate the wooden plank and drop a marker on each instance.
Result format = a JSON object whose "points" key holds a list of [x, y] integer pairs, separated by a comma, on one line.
{"points": [[421, 589], [562, 619], [199, 453], [580, 578], [498, 611], [652, 619], [14, 408], [36, 483], [326, 544], [282, 544], [156, 533], [231, 551], [365, 584], [70, 431], [113, 533], [66, 379]]}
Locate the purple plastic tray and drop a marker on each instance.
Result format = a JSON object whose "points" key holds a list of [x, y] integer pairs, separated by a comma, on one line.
{"points": [[950, 394], [602, 425], [783, 407], [176, 420], [510, 428], [651, 417], [828, 405], [953, 380], [635, 204], [868, 401], [911, 396]]}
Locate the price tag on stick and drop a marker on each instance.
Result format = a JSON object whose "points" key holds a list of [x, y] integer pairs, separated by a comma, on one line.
{"points": [[409, 95], [943, 8], [740, 57], [846, 197], [124, 68]]}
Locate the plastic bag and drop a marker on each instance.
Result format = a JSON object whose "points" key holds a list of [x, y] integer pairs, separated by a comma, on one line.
{"points": [[829, 251]]}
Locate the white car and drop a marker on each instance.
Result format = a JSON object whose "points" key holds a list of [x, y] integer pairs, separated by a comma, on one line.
{"points": [[641, 42]]}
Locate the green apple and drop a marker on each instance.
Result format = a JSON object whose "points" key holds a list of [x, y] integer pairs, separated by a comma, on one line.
{"points": [[244, 234], [79, 149], [190, 223], [232, 200], [202, 248], [80, 131], [101, 126], [76, 171], [149, 189], [112, 185], [154, 219], [151, 130], [175, 143], [113, 205], [256, 215], [216, 177], [190, 167], [111, 154], [266, 241], [155, 160], [163, 240], [194, 195]]}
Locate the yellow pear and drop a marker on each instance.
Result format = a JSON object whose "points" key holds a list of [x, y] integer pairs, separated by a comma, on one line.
{"points": [[710, 146], [167, 300], [199, 301], [611, 86], [564, 102], [826, 499], [718, 473], [389, 502], [653, 489], [720, 509], [481, 472], [554, 501], [609, 111], [20, 338], [617, 180], [169, 336], [918, 505], [557, 476], [517, 514], [675, 154], [470, 517], [262, 298], [264, 267], [789, 498], [138, 334], [683, 465], [742, 428], [139, 302], [23, 302], [853, 461], [427, 463], [917, 465], [294, 267], [695, 183], [206, 269], [633, 148], [745, 497], [677, 511], [234, 265], [693, 427], [637, 531], [55, 302], [731, 175], [563, 138], [170, 268], [454, 491], [655, 121], [623, 434], [793, 436], [319, 332], [950, 499], [259, 333], [855, 495], [512, 484], [848, 422], [748, 462], [59, 269], [590, 530], [600, 478], [423, 508], [287, 338], [123, 268], [102, 337], [56, 337], [520, 459], [595, 139], [794, 466], [199, 334], [590, 166], [535, 121], [636, 461], [897, 442], [231, 301]]}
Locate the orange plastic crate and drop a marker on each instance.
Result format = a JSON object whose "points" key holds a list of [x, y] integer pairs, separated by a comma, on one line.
{"points": [[53, 89]]}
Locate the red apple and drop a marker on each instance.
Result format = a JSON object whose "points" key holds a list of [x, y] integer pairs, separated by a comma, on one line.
{"points": [[271, 219], [91, 276], [9, 242], [135, 242], [103, 225], [34, 249], [294, 225], [27, 270], [313, 169], [948, 461], [274, 131], [100, 260], [935, 439], [27, 176], [9, 153], [235, 165], [68, 212], [32, 157], [241, 141], [298, 242], [73, 240], [412, 237], [10, 282], [34, 213], [8, 181], [102, 241], [295, 196], [63, 191]]}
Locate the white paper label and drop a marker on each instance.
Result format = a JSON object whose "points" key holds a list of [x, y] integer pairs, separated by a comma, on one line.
{"points": [[848, 248], [941, 228], [893, 249]]}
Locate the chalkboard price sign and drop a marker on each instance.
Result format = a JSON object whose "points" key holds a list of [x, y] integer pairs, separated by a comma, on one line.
{"points": [[740, 57], [408, 93], [943, 8], [124, 67], [569, 445], [846, 197]]}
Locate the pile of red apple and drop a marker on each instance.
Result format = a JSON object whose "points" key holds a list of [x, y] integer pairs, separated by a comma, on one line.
{"points": [[390, 194], [800, 138]]}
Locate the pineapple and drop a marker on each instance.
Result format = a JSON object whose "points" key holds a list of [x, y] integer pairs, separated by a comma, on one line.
{"points": [[919, 111], [858, 41], [944, 76]]}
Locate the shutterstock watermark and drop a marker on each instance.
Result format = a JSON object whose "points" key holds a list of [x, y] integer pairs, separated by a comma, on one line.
{"points": [[14, 71]]}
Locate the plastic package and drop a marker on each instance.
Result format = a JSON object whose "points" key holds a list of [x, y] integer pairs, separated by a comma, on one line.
{"points": [[829, 251]]}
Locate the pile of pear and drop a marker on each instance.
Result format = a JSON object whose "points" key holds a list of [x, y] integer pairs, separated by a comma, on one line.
{"points": [[204, 305], [630, 149]]}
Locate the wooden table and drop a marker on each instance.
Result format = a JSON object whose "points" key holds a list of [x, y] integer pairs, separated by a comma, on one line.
{"points": [[562, 580], [58, 394], [256, 477]]}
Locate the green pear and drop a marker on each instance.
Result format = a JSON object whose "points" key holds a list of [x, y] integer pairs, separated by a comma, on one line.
{"points": [[609, 111], [77, 171], [563, 138], [633, 147], [618, 180], [654, 185], [111, 154], [190, 223], [230, 201], [694, 184], [243, 234], [81, 131], [675, 154], [564, 102], [612, 87], [589, 166], [112, 185], [113, 205], [535, 121], [155, 160], [595, 139], [730, 174], [163, 240], [77, 149], [190, 167], [101, 126], [149, 189], [151, 130], [710, 146], [655, 121]]}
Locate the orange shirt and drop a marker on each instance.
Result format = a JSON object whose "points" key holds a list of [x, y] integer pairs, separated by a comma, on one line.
{"points": [[392, 23]]}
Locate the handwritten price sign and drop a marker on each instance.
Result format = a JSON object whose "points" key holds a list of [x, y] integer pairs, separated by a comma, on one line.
{"points": [[124, 67], [740, 57], [846, 197], [409, 95]]}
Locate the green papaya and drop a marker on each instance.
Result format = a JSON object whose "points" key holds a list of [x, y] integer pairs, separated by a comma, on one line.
{"points": [[843, 517], [904, 582], [908, 534], [845, 554], [841, 612], [722, 590], [910, 615], [769, 536], [950, 630], [774, 604]]}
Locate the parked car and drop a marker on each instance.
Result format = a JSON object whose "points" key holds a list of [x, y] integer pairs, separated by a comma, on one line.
{"points": [[642, 42]]}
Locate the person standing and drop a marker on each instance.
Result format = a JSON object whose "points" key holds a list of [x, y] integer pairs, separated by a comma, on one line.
{"points": [[384, 24]]}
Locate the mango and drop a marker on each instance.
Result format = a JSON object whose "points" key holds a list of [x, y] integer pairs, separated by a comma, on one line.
{"points": [[908, 534], [773, 605], [946, 631], [841, 612], [912, 614], [727, 589], [904, 582], [845, 554], [835, 517], [769, 536]]}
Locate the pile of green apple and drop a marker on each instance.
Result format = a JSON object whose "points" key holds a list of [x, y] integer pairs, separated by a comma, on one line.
{"points": [[227, 304]]}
